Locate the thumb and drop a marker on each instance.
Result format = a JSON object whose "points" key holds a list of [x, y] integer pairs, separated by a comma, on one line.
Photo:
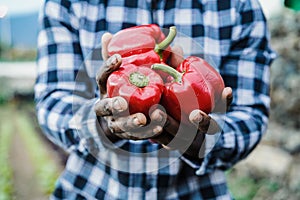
{"points": [[106, 37], [110, 65], [176, 56]]}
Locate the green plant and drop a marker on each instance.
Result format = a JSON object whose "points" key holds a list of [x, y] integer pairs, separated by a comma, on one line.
{"points": [[8, 53], [6, 92], [241, 187], [6, 133], [47, 171]]}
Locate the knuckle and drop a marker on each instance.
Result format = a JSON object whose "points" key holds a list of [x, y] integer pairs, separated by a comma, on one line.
{"points": [[105, 107], [110, 126]]}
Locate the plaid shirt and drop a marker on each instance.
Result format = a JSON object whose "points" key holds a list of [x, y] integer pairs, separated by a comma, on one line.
{"points": [[231, 34]]}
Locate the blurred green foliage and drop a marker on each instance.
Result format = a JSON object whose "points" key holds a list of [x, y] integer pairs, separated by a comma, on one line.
{"points": [[246, 187], [23, 124], [6, 130], [8, 53], [6, 92], [292, 4], [46, 169]]}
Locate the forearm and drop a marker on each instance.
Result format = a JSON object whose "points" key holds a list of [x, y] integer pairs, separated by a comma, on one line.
{"points": [[65, 93], [241, 130], [58, 112], [69, 123]]}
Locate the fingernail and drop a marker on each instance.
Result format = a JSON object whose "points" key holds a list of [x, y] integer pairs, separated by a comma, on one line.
{"points": [[158, 116], [199, 118], [113, 60], [157, 130], [196, 117], [119, 105], [139, 120]]}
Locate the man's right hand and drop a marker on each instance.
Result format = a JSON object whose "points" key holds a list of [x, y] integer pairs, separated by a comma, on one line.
{"points": [[109, 110]]}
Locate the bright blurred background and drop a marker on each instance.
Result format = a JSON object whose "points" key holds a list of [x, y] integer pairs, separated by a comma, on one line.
{"points": [[29, 164]]}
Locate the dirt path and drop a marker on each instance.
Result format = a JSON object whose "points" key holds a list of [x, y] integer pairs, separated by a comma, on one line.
{"points": [[26, 183], [24, 176]]}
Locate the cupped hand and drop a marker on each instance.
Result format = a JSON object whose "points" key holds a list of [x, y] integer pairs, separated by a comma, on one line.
{"points": [[189, 138], [161, 128], [110, 111]]}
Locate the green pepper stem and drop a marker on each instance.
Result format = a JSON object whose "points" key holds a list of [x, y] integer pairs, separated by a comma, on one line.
{"points": [[138, 79], [170, 70], [167, 41]]}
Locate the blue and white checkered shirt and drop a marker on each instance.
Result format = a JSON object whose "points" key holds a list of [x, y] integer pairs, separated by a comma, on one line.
{"points": [[231, 34]]}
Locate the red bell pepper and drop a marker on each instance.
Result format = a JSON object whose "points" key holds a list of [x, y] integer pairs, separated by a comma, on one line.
{"points": [[195, 85], [142, 45], [140, 86]]}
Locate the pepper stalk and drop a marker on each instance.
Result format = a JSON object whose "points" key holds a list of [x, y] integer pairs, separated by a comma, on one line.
{"points": [[160, 47], [169, 70]]}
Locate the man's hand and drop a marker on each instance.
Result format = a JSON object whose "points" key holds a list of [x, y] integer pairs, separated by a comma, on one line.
{"points": [[110, 110], [189, 139], [162, 128]]}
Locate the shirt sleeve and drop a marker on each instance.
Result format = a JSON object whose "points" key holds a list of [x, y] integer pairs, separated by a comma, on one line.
{"points": [[246, 70], [64, 93]]}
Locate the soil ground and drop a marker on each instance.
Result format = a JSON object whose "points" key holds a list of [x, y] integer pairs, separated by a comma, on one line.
{"points": [[26, 185], [24, 177]]}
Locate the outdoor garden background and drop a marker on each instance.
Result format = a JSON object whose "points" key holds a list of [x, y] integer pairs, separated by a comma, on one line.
{"points": [[29, 164]]}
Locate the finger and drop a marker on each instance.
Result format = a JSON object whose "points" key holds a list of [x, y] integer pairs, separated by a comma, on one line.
{"points": [[104, 129], [176, 56], [106, 37], [172, 127], [110, 106], [142, 133], [110, 65], [226, 99], [204, 122], [128, 123], [227, 96], [158, 116], [135, 126], [142, 130]]}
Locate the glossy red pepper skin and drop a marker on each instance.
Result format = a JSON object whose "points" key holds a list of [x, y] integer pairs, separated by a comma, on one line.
{"points": [[135, 40], [141, 96], [142, 45], [143, 59], [199, 87]]}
